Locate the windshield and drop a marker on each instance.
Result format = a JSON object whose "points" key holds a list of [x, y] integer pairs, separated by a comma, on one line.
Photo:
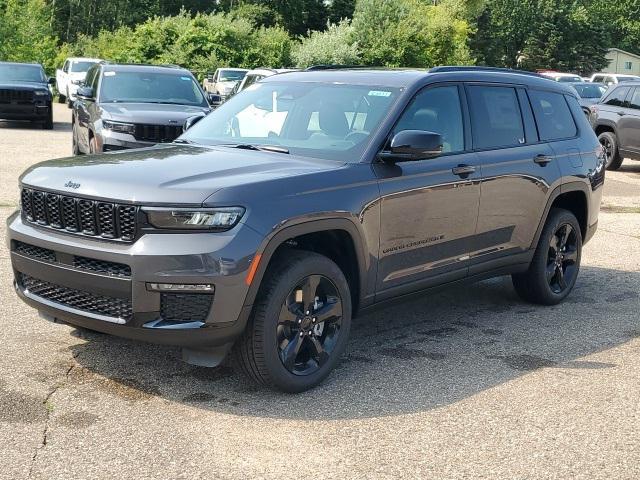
{"points": [[21, 73], [311, 119], [81, 66], [231, 75], [150, 87], [569, 79], [589, 90]]}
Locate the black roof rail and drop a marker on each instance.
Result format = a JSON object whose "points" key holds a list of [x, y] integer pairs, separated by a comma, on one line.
{"points": [[482, 69]]}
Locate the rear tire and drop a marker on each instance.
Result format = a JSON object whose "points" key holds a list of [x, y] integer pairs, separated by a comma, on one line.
{"points": [[609, 142], [61, 98], [300, 323], [555, 265]]}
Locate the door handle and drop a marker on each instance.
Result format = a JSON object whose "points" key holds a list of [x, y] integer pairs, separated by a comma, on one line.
{"points": [[463, 170], [621, 114], [542, 159]]}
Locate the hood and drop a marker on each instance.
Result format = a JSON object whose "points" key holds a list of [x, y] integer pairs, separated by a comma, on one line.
{"points": [[166, 175], [153, 113], [24, 85]]}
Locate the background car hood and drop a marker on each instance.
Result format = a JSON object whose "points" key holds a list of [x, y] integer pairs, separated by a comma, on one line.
{"points": [[154, 113], [165, 175], [23, 85]]}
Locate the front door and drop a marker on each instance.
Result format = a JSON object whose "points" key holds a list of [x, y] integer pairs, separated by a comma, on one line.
{"points": [[429, 208]]}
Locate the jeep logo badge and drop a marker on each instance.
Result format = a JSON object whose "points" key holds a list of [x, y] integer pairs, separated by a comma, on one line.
{"points": [[71, 184]]}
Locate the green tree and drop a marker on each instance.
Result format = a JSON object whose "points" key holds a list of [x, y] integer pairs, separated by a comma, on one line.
{"points": [[335, 46], [26, 34]]}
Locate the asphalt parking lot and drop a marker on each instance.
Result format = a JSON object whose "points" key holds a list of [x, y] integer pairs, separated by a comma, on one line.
{"points": [[467, 383]]}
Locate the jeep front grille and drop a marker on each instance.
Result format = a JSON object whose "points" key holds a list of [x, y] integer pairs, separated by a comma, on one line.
{"points": [[78, 299], [20, 96], [80, 216], [157, 133]]}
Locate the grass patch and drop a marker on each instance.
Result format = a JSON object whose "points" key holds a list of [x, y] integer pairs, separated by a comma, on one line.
{"points": [[619, 209]]}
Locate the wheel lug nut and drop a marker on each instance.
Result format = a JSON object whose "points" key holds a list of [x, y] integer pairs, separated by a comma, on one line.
{"points": [[302, 334], [314, 320], [299, 321]]}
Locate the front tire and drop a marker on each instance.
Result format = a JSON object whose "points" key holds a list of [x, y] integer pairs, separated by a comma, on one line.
{"points": [[609, 142], [554, 269], [75, 147], [48, 123], [93, 146], [300, 324]]}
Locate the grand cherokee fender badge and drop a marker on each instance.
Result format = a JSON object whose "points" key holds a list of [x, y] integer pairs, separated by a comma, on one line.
{"points": [[71, 184]]}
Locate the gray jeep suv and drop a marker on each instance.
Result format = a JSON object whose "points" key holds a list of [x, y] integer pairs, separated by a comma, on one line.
{"points": [[306, 200]]}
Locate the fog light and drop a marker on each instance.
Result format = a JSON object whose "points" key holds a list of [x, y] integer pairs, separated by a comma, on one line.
{"points": [[181, 287]]}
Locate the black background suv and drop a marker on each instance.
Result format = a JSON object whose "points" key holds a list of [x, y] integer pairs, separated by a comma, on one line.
{"points": [[25, 94], [132, 106], [308, 199], [616, 120]]}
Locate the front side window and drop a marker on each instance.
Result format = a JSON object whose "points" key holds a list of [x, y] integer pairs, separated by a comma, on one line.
{"points": [[149, 87], [617, 97], [10, 72], [495, 117], [553, 116], [323, 120], [436, 110]]}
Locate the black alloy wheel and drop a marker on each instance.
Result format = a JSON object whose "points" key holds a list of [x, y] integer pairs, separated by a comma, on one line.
{"points": [[562, 260], [613, 159], [309, 325]]}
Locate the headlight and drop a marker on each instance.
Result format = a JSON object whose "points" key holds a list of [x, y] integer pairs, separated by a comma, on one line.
{"points": [[212, 219], [119, 127], [41, 93]]}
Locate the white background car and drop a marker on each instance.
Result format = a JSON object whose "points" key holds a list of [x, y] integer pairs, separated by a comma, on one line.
{"points": [[223, 80], [71, 75], [613, 78]]}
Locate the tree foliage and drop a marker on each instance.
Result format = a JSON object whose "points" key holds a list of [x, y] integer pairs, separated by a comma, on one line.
{"points": [[335, 45]]}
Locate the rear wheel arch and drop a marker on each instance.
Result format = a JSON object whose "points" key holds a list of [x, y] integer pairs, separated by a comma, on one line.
{"points": [[337, 239], [572, 197], [605, 127]]}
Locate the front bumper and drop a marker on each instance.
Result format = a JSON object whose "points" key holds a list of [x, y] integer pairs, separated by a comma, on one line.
{"points": [[24, 111], [61, 287]]}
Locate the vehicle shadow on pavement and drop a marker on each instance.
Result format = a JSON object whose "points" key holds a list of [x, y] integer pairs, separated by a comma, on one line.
{"points": [[20, 125], [415, 356], [630, 166]]}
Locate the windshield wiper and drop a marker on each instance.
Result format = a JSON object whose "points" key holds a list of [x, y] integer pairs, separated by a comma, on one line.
{"points": [[263, 148]]}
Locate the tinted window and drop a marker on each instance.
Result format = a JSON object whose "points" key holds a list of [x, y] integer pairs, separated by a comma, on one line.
{"points": [[11, 72], [149, 87], [617, 96], [635, 99], [495, 117], [553, 116], [322, 120], [436, 110]]}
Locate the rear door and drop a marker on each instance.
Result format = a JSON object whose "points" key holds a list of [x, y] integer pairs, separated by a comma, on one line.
{"points": [[83, 108], [629, 123], [518, 172]]}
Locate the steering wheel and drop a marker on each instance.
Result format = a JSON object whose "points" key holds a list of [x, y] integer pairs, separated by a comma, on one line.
{"points": [[356, 137]]}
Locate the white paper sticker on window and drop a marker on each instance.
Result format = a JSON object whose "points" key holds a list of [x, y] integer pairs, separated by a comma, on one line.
{"points": [[378, 93]]}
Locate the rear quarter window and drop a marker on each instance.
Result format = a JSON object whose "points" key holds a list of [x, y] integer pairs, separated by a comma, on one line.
{"points": [[553, 116]]}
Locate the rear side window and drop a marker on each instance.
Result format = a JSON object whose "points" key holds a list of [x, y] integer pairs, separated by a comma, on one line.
{"points": [[616, 98], [635, 99], [553, 116], [495, 117]]}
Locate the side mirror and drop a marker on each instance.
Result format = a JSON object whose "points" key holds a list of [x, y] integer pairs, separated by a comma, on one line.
{"points": [[51, 80], [85, 92], [191, 121], [214, 99], [411, 145]]}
